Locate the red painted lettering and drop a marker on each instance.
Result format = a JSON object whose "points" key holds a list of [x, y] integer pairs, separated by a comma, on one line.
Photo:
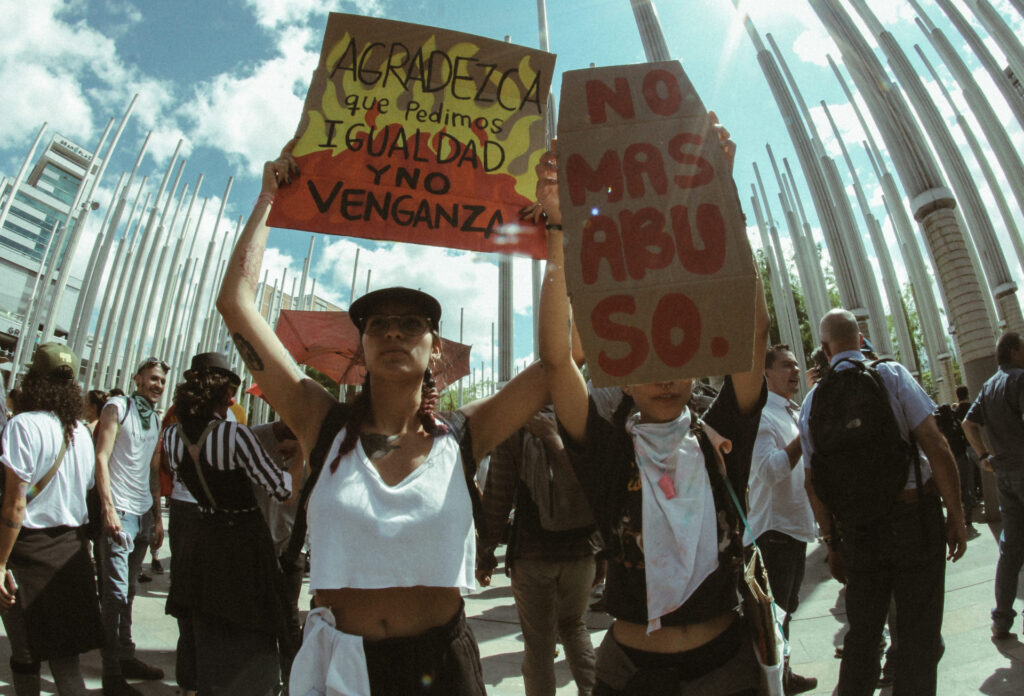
{"points": [[663, 105], [674, 313], [710, 229], [580, 178], [601, 242], [640, 159], [705, 173], [600, 95], [605, 328], [644, 241]]}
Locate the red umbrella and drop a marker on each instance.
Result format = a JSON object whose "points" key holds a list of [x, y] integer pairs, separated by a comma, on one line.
{"points": [[329, 341]]}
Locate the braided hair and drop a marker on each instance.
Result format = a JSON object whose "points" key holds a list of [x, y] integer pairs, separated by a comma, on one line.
{"points": [[429, 398]]}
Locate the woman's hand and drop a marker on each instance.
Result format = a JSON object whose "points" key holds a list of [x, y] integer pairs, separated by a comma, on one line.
{"points": [[281, 170], [7, 588], [728, 146], [547, 204]]}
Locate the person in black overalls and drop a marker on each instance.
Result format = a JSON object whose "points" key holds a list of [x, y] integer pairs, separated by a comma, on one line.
{"points": [[227, 580]]}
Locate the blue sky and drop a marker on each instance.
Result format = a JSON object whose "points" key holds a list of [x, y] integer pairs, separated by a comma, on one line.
{"points": [[228, 77]]}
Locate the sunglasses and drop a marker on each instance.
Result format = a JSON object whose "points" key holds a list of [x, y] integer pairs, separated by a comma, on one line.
{"points": [[407, 324], [150, 362]]}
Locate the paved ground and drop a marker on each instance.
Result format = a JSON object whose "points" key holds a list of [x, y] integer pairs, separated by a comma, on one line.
{"points": [[973, 663]]}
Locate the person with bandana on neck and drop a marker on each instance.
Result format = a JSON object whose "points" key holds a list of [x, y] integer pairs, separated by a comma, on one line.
{"points": [[657, 490], [127, 481]]}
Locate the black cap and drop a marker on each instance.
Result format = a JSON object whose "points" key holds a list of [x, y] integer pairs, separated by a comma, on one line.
{"points": [[213, 362], [366, 305]]}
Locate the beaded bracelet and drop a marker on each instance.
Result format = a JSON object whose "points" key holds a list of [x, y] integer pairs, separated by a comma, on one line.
{"points": [[551, 226], [265, 196]]}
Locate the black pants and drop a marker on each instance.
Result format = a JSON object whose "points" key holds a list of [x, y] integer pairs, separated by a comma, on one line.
{"points": [[181, 531], [443, 661], [902, 557], [726, 665], [784, 559]]}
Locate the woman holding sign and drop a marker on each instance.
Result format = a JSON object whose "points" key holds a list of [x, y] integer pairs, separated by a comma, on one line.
{"points": [[391, 501], [661, 501]]}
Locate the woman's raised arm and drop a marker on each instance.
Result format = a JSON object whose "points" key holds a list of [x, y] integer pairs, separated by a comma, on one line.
{"points": [[301, 402], [565, 382]]}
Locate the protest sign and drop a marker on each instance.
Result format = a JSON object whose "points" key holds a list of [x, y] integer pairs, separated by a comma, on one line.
{"points": [[416, 134], [658, 267]]}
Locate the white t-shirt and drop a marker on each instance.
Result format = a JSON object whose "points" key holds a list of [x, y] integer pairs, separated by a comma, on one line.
{"points": [[31, 443], [131, 458]]}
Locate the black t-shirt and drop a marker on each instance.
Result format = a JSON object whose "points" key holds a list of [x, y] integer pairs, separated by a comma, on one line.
{"points": [[606, 467]]}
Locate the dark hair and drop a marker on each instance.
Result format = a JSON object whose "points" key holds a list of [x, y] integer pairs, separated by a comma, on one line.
{"points": [[961, 393], [58, 393], [200, 395], [97, 398], [116, 391], [361, 409], [1008, 342], [773, 353]]}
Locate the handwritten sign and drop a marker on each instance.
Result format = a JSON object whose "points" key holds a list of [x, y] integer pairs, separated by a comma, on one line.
{"points": [[423, 135], [658, 266]]}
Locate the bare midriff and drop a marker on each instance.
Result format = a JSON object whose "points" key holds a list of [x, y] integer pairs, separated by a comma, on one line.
{"points": [[391, 612], [671, 639]]}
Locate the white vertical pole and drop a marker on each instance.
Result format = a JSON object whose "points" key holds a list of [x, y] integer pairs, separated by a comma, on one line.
{"points": [[20, 176], [114, 295], [87, 297], [94, 261]]}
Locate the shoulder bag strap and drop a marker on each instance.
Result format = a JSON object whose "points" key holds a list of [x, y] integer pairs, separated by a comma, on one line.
{"points": [[194, 451], [38, 488]]}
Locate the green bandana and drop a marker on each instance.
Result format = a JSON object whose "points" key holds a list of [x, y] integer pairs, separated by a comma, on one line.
{"points": [[145, 409]]}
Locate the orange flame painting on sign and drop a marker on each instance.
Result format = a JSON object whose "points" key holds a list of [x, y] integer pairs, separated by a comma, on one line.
{"points": [[416, 134]]}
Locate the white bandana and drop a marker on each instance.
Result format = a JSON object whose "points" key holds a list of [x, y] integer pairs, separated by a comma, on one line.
{"points": [[680, 532]]}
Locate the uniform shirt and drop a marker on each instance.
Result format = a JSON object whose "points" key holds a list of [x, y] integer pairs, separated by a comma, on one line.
{"points": [[778, 501], [998, 408], [131, 457], [31, 443], [231, 446], [910, 404]]}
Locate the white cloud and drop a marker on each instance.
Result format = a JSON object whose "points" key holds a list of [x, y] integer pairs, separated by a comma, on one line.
{"points": [[248, 117], [54, 67], [277, 13], [459, 280], [846, 121], [813, 44]]}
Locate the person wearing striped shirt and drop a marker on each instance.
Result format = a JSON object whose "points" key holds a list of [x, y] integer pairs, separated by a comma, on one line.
{"points": [[226, 581]]}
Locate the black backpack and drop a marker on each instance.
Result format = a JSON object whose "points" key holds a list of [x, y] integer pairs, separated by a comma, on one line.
{"points": [[860, 461]]}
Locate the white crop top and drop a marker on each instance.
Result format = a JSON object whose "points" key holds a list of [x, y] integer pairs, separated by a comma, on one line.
{"points": [[366, 534]]}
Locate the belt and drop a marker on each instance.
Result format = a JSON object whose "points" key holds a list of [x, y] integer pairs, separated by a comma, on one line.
{"points": [[912, 495]]}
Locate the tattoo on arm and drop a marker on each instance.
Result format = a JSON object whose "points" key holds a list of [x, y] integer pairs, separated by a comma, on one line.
{"points": [[251, 258], [10, 524], [249, 355]]}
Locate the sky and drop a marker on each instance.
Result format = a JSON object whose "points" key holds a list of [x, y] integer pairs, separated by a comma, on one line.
{"points": [[227, 79]]}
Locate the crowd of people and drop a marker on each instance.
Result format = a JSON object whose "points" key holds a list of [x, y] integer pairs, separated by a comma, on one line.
{"points": [[664, 501]]}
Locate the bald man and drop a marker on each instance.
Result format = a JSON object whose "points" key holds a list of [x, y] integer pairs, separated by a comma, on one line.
{"points": [[903, 554]]}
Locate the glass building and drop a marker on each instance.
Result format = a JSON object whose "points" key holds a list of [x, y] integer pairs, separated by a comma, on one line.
{"points": [[38, 215]]}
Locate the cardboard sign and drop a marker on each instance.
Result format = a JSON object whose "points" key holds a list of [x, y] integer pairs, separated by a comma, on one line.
{"points": [[658, 266], [423, 135]]}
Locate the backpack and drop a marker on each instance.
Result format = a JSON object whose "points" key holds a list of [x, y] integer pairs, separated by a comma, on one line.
{"points": [[860, 461], [549, 477], [951, 429]]}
